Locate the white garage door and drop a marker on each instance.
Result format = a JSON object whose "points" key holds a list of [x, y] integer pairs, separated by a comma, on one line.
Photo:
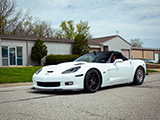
{"points": [[156, 56], [126, 53]]}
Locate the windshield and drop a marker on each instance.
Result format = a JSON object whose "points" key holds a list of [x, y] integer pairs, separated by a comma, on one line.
{"points": [[99, 58]]}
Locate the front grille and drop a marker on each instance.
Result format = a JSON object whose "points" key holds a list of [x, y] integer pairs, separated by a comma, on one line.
{"points": [[48, 84]]}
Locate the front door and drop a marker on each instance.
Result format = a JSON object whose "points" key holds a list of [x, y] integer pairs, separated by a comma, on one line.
{"points": [[120, 72], [156, 56], [12, 56]]}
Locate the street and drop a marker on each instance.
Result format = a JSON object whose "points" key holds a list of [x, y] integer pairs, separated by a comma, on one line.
{"points": [[122, 102]]}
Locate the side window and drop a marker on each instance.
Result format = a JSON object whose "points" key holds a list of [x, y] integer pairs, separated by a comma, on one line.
{"points": [[116, 56], [119, 56], [113, 58]]}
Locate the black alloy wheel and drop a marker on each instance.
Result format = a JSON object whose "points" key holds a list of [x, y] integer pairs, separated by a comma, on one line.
{"points": [[139, 76], [92, 81]]}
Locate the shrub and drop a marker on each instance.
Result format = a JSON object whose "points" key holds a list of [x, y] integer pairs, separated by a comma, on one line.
{"points": [[56, 59], [39, 50]]}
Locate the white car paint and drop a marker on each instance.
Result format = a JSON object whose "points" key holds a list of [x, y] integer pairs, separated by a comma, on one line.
{"points": [[112, 73]]}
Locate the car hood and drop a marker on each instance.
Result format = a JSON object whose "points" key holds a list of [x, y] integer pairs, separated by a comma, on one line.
{"points": [[61, 67]]}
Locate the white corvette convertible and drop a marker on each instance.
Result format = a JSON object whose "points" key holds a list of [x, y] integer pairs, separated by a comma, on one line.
{"points": [[91, 72]]}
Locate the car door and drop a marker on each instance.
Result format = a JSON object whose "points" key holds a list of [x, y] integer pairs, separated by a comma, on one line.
{"points": [[120, 71]]}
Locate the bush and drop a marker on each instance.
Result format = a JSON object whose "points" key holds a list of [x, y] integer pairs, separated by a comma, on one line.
{"points": [[39, 50], [56, 59]]}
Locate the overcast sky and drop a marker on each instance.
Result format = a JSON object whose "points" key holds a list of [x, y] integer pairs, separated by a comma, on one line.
{"points": [[132, 18]]}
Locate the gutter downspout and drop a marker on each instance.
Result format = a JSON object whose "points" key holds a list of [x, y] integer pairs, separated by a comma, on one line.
{"points": [[27, 53], [142, 53]]}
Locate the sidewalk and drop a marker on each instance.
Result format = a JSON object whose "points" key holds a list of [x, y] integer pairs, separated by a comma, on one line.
{"points": [[156, 69], [2, 85]]}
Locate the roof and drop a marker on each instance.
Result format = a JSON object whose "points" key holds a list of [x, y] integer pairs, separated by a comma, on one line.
{"points": [[142, 48], [32, 38], [96, 41], [100, 40]]}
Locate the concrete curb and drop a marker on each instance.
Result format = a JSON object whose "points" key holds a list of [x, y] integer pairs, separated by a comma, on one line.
{"points": [[15, 84]]}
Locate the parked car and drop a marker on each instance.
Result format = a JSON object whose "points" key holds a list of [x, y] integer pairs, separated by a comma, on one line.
{"points": [[91, 72], [148, 60]]}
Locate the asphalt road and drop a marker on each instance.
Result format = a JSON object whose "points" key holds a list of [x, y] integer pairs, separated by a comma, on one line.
{"points": [[122, 102]]}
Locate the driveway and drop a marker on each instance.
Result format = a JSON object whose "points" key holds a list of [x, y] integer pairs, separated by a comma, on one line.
{"points": [[123, 102]]}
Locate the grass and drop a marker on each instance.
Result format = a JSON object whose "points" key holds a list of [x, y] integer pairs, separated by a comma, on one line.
{"points": [[15, 75], [151, 71]]}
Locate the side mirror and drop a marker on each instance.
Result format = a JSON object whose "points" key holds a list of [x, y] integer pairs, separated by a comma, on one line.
{"points": [[118, 61]]}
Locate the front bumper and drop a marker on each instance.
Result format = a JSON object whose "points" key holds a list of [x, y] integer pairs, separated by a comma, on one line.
{"points": [[59, 82]]}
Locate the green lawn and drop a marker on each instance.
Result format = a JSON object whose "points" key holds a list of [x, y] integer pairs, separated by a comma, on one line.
{"points": [[14, 75]]}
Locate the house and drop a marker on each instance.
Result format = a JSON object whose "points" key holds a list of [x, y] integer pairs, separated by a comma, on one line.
{"points": [[138, 52], [16, 50], [109, 43]]}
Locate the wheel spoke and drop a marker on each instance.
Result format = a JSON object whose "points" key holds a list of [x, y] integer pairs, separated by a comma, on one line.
{"points": [[93, 81], [140, 75]]}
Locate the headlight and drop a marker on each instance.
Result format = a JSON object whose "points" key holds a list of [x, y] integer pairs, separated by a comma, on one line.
{"points": [[71, 70], [38, 71]]}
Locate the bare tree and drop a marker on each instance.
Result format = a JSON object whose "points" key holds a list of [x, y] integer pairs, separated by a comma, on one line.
{"points": [[37, 28], [136, 42], [42, 29], [9, 18], [14, 22]]}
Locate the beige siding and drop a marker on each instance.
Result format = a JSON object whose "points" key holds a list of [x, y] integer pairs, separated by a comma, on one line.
{"points": [[137, 54], [148, 54], [94, 49], [126, 52]]}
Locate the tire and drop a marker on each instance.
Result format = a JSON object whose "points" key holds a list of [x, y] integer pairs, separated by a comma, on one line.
{"points": [[92, 81], [139, 76]]}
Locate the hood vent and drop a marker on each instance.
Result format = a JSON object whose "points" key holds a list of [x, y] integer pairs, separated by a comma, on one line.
{"points": [[50, 71]]}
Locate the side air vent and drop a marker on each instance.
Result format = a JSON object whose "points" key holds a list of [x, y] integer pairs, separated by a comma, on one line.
{"points": [[79, 64]]}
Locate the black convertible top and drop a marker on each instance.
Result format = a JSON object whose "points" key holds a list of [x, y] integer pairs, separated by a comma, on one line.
{"points": [[106, 52], [119, 55], [102, 57]]}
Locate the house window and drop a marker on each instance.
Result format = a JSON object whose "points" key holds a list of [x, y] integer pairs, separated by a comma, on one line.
{"points": [[105, 48], [5, 56], [12, 56], [19, 56]]}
